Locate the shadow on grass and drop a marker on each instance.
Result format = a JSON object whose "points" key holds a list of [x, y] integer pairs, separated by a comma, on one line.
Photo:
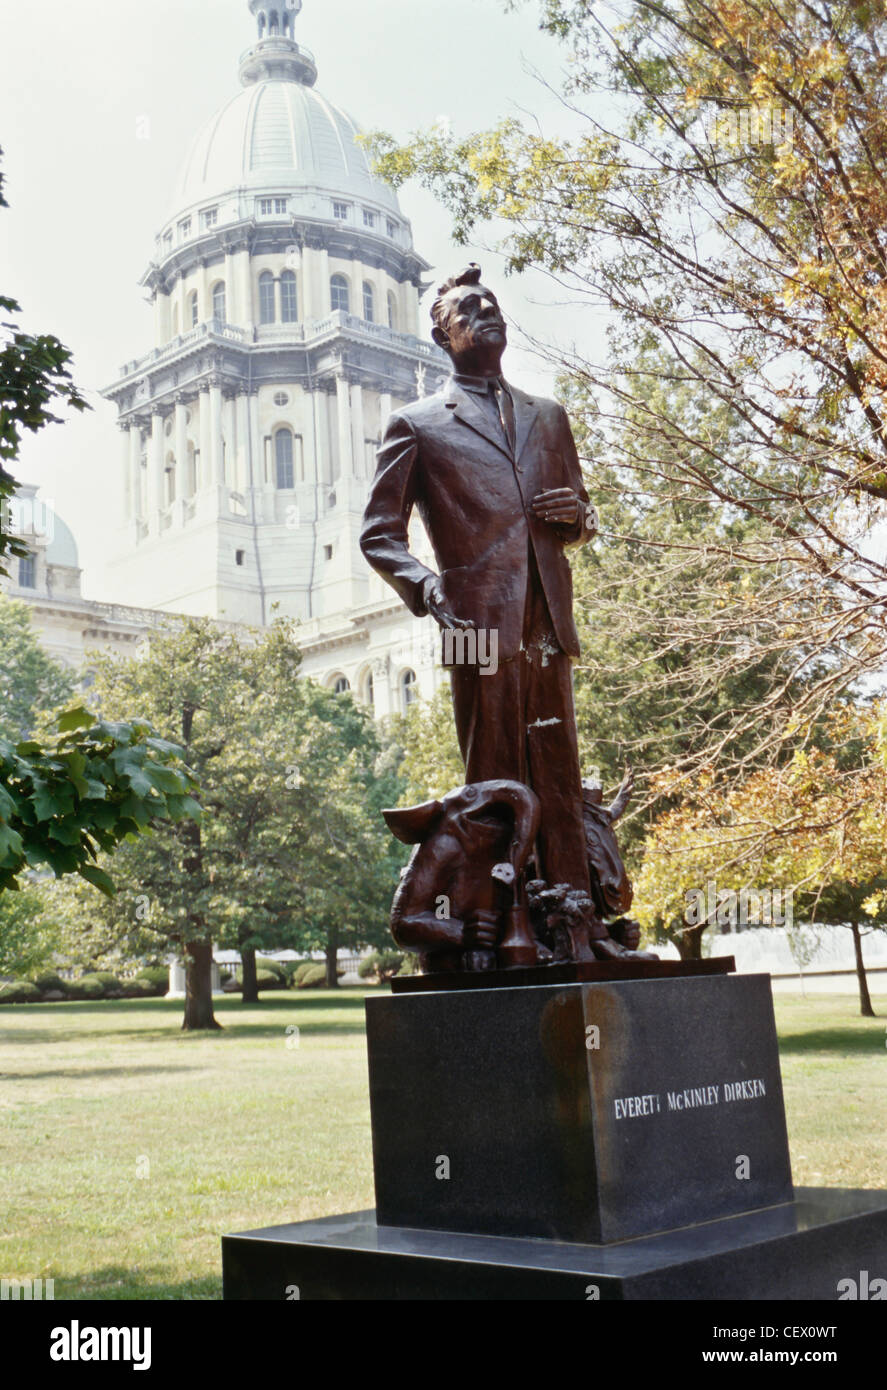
{"points": [[75, 1073], [836, 1040], [283, 1006], [118, 1282]]}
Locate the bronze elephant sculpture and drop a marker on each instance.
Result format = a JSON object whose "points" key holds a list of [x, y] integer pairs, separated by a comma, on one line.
{"points": [[461, 903]]}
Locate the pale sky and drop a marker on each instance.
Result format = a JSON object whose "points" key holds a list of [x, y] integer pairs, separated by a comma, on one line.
{"points": [[87, 194]]}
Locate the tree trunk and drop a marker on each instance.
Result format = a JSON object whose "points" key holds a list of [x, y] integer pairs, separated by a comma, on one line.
{"points": [[332, 954], [199, 986], [689, 942], [250, 993], [865, 999]]}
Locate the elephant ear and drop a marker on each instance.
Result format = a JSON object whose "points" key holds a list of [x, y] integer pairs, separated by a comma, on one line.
{"points": [[412, 824]]}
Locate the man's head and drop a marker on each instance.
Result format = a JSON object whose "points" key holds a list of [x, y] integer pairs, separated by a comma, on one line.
{"points": [[468, 324]]}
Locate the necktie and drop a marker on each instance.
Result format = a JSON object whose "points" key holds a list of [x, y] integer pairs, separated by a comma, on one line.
{"points": [[506, 412]]}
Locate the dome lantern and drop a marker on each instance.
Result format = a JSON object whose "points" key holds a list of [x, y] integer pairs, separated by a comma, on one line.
{"points": [[276, 54]]}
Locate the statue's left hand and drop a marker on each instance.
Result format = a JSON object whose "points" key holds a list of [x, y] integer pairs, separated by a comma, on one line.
{"points": [[559, 506]]}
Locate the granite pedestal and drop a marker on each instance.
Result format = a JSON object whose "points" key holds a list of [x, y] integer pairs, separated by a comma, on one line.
{"points": [[806, 1249], [582, 1112], [587, 1138]]}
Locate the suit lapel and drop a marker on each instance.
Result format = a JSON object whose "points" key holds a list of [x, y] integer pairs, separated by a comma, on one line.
{"points": [[526, 413], [467, 410], [470, 413]]}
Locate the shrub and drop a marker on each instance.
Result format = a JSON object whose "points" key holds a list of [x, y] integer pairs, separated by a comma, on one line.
{"points": [[87, 988], [382, 964], [291, 967], [313, 976], [19, 992], [49, 981], [105, 979], [270, 979], [140, 988], [157, 975], [273, 967], [301, 971]]}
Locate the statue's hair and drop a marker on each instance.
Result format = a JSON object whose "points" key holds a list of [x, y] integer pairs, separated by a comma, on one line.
{"points": [[469, 276]]}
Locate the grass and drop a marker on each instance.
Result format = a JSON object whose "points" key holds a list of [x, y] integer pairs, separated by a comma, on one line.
{"points": [[128, 1148]]}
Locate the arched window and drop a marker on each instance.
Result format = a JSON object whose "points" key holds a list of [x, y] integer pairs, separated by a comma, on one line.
{"points": [[342, 684], [409, 693], [289, 303], [170, 471], [392, 310], [274, 26], [368, 691], [339, 294], [27, 572], [266, 297], [192, 305], [219, 311], [283, 458], [262, 23], [369, 302]]}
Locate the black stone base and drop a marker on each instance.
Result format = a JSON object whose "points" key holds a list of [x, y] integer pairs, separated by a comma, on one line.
{"points": [[588, 1112], [808, 1249], [565, 973]]}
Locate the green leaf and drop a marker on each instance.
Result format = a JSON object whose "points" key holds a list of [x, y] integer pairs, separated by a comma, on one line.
{"points": [[99, 878], [165, 779], [78, 718]]}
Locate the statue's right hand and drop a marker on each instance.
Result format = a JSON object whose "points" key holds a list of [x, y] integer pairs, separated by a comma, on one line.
{"points": [[436, 602]]}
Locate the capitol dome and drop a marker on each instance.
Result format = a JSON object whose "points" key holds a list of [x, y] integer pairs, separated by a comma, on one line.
{"points": [[279, 132], [279, 148]]}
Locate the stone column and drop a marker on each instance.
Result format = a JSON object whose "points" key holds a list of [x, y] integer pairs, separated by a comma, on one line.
{"points": [[215, 416], [125, 486], [135, 469], [257, 445], [343, 400], [160, 325], [307, 274], [156, 498], [357, 431], [229, 441], [384, 411], [239, 472], [204, 472], [245, 296], [181, 437], [322, 282], [232, 289], [322, 463]]}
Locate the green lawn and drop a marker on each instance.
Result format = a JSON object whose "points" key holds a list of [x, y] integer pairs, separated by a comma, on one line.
{"points": [[128, 1148]]}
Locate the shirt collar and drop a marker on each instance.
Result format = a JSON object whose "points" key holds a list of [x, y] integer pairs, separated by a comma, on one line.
{"points": [[480, 385]]}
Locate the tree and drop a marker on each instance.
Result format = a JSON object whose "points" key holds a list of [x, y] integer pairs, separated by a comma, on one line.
{"points": [[30, 681], [738, 270], [290, 845], [29, 934], [93, 785], [813, 828], [432, 764], [33, 375]]}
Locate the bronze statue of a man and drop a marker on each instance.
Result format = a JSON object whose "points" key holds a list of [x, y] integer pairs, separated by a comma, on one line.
{"points": [[495, 476]]}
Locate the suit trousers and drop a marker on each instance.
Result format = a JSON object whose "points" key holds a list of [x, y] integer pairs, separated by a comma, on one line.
{"points": [[520, 724]]}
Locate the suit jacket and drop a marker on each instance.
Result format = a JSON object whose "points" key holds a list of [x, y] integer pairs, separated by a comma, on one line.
{"points": [[448, 458]]}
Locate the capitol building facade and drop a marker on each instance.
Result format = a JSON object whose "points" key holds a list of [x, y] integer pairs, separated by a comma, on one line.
{"points": [[286, 293]]}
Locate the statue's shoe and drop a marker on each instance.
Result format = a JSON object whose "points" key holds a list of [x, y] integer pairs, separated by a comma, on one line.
{"points": [[605, 948]]}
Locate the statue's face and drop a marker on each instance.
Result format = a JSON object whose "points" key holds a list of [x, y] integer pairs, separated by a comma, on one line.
{"points": [[472, 323]]}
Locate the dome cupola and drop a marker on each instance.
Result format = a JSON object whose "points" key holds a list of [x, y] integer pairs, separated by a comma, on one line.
{"points": [[276, 55]]}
